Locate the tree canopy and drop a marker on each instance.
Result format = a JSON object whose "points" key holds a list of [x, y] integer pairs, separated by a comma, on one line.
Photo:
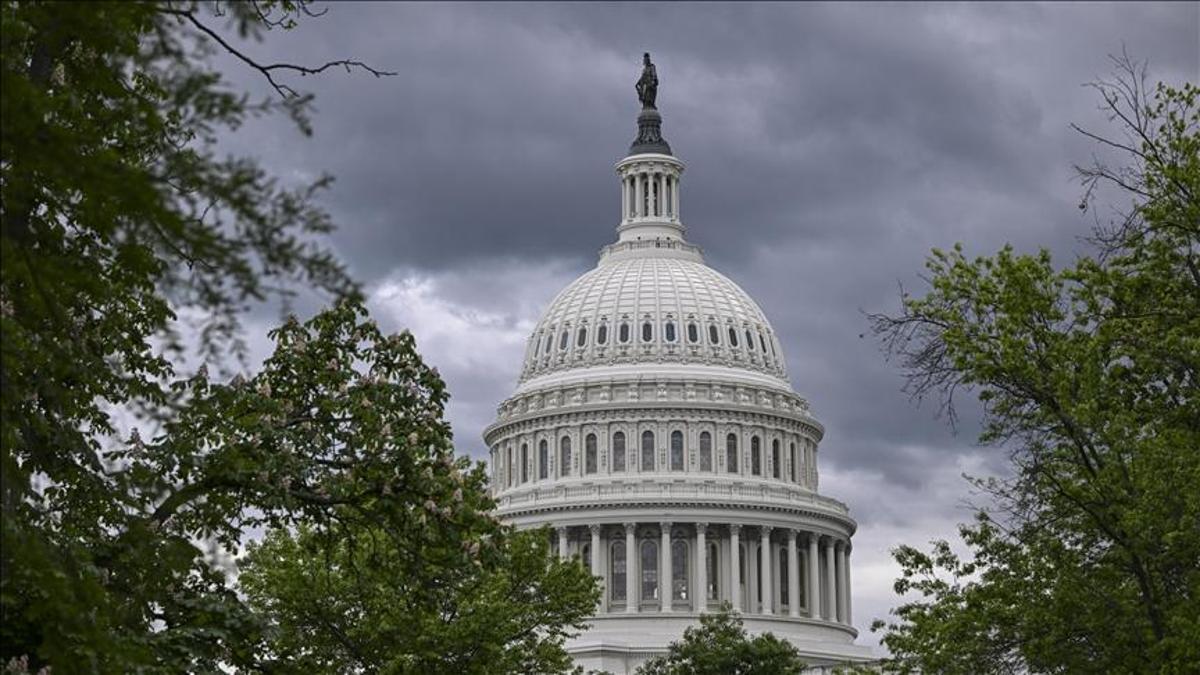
{"points": [[1088, 558], [126, 237], [721, 646]]}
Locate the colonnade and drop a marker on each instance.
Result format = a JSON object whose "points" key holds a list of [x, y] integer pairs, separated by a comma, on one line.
{"points": [[650, 195], [695, 566]]}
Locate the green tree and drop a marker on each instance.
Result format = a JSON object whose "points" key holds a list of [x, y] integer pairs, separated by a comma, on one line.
{"points": [[1088, 558], [117, 216], [720, 646]]}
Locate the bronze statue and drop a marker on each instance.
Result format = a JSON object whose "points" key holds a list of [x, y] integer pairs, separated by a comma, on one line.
{"points": [[647, 84]]}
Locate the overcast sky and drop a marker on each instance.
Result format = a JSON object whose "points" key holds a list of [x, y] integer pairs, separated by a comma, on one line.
{"points": [[828, 148]]}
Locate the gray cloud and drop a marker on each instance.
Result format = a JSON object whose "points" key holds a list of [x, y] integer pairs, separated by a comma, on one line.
{"points": [[829, 147]]}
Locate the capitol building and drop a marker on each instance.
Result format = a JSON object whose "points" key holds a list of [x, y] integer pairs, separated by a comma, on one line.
{"points": [[654, 429]]}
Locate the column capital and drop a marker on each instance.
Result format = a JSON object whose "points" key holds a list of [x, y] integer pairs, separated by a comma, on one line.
{"points": [[666, 524], [700, 527], [629, 527], [735, 528], [561, 529], [766, 530], [839, 544], [791, 536], [594, 528]]}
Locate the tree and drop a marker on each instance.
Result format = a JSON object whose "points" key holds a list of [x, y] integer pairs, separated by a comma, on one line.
{"points": [[720, 646], [123, 236], [1088, 558]]}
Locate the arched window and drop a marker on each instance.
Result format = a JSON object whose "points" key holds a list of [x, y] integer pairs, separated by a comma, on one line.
{"points": [[623, 332], [549, 340], [602, 334], [647, 451], [762, 344], [649, 570], [775, 463], [618, 451], [795, 467], [758, 555], [617, 565], [783, 577], [693, 333], [731, 453], [589, 449], [705, 451], [543, 459], [749, 340], [524, 462], [562, 340], [714, 569], [732, 336], [755, 456], [669, 331], [679, 570], [714, 337], [564, 456], [647, 331], [581, 338], [677, 451]]}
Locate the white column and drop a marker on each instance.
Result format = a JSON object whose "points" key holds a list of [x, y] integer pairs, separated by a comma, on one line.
{"points": [[846, 580], [735, 571], [624, 199], [814, 598], [793, 575], [596, 571], [841, 580], [665, 583], [700, 593], [830, 582], [637, 195], [765, 570], [631, 602], [562, 543], [675, 197]]}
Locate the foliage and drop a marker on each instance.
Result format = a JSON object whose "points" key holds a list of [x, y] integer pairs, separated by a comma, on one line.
{"points": [[1090, 376], [720, 646], [118, 220]]}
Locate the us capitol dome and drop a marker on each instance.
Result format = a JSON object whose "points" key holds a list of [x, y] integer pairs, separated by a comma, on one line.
{"points": [[654, 429]]}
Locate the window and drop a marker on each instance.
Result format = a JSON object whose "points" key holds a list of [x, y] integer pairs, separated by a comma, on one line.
{"points": [[549, 341], [649, 570], [581, 338], [623, 333], [755, 456], [732, 336], [783, 577], [602, 334], [564, 456], [713, 569], [617, 565], [543, 459], [758, 555], [705, 451], [679, 570], [647, 451], [714, 337], [731, 454], [669, 331], [670, 202], [647, 331], [795, 467], [677, 451], [749, 340], [524, 462], [775, 464], [585, 554], [742, 576], [589, 449], [693, 333], [618, 451], [562, 340], [762, 344]]}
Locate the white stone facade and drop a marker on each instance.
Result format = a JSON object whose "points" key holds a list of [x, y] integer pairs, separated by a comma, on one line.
{"points": [[654, 429]]}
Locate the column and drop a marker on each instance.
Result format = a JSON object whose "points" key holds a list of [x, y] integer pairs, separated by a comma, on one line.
{"points": [[638, 200], [830, 582], [793, 575], [841, 580], [562, 543], [846, 580], [735, 568], [765, 570], [596, 571], [662, 195], [631, 570], [624, 199], [665, 583], [700, 593], [675, 197], [814, 597]]}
